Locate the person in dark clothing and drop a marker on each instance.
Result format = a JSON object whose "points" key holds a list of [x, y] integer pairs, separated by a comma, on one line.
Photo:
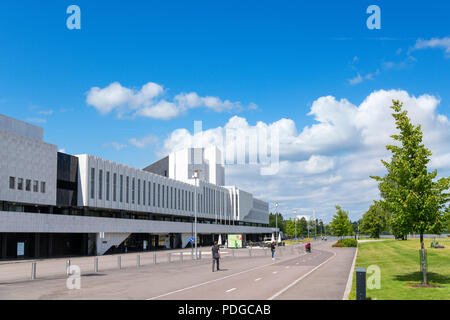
{"points": [[215, 250], [272, 248]]}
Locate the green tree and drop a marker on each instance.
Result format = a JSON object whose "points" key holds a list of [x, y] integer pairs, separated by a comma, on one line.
{"points": [[303, 231], [281, 223], [409, 192], [374, 221], [340, 226], [290, 227]]}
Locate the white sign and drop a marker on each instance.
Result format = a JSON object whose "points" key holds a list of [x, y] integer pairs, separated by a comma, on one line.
{"points": [[20, 248]]}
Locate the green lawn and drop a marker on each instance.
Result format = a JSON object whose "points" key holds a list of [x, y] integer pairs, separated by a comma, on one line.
{"points": [[399, 264]]}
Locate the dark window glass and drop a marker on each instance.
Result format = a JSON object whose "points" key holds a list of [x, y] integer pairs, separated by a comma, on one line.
{"points": [[28, 185], [100, 184], [92, 183], [12, 182], [121, 188], [128, 190], [114, 186], [107, 185]]}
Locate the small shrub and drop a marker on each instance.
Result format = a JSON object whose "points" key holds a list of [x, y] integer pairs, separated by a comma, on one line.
{"points": [[349, 242]]}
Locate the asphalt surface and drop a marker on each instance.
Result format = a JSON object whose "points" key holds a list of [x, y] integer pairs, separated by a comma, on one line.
{"points": [[294, 274]]}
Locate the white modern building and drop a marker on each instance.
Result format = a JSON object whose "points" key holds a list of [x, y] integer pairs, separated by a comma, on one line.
{"points": [[53, 203]]}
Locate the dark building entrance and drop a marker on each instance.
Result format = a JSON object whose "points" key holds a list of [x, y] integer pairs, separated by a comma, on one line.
{"points": [[42, 245]]}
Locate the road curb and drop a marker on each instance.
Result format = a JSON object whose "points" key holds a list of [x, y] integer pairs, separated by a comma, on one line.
{"points": [[348, 288]]}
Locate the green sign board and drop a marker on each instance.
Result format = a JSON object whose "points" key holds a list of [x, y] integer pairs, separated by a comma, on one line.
{"points": [[235, 241]]}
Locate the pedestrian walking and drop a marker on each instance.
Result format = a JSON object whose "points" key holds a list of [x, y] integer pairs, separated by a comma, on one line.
{"points": [[272, 248], [215, 252]]}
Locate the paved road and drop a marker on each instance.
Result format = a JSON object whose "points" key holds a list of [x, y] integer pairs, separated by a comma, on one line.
{"points": [[295, 274]]}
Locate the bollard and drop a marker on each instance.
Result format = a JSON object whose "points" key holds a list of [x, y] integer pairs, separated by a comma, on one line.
{"points": [[33, 270], [138, 260], [95, 264], [154, 258], [292, 250], [67, 267], [169, 256], [265, 251], [249, 252], [200, 255], [119, 262], [360, 284], [192, 254], [181, 257], [232, 252]]}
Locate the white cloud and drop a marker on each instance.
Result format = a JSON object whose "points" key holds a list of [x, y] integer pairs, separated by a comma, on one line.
{"points": [[330, 161], [149, 102], [116, 145], [441, 43], [144, 142], [359, 78]]}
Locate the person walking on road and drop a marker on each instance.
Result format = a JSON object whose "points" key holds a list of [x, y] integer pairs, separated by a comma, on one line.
{"points": [[215, 250], [272, 248]]}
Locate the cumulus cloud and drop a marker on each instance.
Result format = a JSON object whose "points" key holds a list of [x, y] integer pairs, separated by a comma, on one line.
{"points": [[330, 161], [115, 145], [149, 101], [144, 141], [441, 43]]}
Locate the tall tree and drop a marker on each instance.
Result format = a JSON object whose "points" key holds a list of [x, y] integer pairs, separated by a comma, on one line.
{"points": [[340, 226], [374, 221], [409, 192]]}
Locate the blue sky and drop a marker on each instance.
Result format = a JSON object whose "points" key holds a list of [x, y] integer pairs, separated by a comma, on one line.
{"points": [[281, 56]]}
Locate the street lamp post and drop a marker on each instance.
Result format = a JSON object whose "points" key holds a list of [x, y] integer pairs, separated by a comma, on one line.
{"points": [[276, 222], [196, 176]]}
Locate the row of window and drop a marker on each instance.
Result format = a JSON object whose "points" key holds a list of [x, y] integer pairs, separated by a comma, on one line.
{"points": [[26, 184], [126, 189]]}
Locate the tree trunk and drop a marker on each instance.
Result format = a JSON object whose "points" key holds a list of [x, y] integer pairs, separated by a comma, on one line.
{"points": [[424, 264]]}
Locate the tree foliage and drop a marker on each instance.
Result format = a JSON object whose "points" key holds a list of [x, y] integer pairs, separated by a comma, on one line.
{"points": [[374, 221], [340, 226], [409, 191]]}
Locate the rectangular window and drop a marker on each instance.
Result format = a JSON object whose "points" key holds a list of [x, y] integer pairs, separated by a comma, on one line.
{"points": [[178, 200], [107, 185], [128, 190], [20, 183], [143, 192], [167, 197], [35, 186], [162, 204], [159, 197], [100, 183], [171, 197], [139, 191], [149, 193], [12, 182], [121, 188], [114, 186], [42, 186], [28, 185], [92, 183], [154, 194], [175, 199], [132, 191]]}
